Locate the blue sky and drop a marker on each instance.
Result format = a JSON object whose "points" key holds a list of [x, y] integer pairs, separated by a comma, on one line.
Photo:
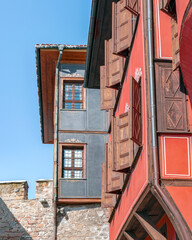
{"points": [[23, 24]]}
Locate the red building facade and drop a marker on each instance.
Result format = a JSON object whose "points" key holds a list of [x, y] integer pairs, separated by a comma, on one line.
{"points": [[139, 55]]}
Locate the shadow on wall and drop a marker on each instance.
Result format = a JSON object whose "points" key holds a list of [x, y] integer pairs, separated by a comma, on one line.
{"points": [[10, 228]]}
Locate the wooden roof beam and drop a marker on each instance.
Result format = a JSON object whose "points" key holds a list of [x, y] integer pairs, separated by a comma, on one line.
{"points": [[149, 226], [130, 236]]}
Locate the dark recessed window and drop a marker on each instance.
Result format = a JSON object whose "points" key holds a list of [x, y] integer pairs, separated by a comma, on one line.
{"points": [[73, 95], [72, 163]]}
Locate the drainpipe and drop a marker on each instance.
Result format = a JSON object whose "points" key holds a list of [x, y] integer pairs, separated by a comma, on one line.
{"points": [[182, 228], [56, 124]]}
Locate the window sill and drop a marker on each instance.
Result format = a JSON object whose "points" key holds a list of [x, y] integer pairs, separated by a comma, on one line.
{"points": [[72, 110], [73, 179]]}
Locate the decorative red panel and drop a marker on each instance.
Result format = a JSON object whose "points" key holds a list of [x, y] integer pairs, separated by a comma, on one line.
{"points": [[176, 156]]}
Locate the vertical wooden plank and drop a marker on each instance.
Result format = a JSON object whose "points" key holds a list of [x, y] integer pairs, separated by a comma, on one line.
{"points": [[175, 45], [133, 6], [125, 144], [113, 66], [108, 95], [107, 200], [115, 179], [135, 111], [108, 61], [122, 28], [163, 5]]}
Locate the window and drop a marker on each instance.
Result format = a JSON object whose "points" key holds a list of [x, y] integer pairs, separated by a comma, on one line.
{"points": [[73, 162], [73, 95]]}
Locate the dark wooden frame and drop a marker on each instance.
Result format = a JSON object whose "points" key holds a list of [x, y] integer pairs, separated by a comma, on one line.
{"points": [[72, 80], [72, 146]]}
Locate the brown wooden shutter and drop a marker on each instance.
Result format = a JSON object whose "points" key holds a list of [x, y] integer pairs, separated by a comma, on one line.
{"points": [[114, 179], [135, 111], [163, 5], [171, 100], [113, 66], [107, 200], [108, 60], [125, 144], [175, 44], [114, 137], [108, 95], [122, 31], [133, 6]]}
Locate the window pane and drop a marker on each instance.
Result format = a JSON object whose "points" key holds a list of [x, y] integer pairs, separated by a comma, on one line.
{"points": [[67, 153], [78, 92], [78, 106], [67, 162], [77, 174], [67, 174], [68, 92], [78, 162], [78, 153], [68, 105]]}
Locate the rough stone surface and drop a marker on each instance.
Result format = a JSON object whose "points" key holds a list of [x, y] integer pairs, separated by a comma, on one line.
{"points": [[14, 190], [33, 219]]}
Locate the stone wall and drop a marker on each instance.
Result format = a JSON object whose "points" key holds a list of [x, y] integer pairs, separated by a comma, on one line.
{"points": [[33, 219]]}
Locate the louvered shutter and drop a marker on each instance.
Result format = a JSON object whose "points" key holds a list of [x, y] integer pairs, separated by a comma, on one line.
{"points": [[163, 5], [113, 66], [175, 45], [171, 100], [125, 144], [133, 6], [114, 179], [122, 29], [108, 61], [135, 111], [107, 200], [115, 147], [108, 95]]}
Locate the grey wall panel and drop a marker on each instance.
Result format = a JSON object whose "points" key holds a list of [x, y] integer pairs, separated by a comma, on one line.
{"points": [[72, 137], [95, 156], [96, 119], [72, 70], [72, 188], [72, 120]]}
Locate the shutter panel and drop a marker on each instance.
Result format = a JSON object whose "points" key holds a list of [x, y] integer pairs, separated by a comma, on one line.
{"points": [[117, 69], [115, 149], [108, 60], [163, 5], [108, 95], [114, 179], [113, 66], [133, 6], [175, 45], [107, 200], [135, 111], [122, 30], [171, 100], [125, 145]]}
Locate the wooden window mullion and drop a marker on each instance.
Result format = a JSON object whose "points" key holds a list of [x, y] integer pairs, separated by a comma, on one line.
{"points": [[72, 164]]}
